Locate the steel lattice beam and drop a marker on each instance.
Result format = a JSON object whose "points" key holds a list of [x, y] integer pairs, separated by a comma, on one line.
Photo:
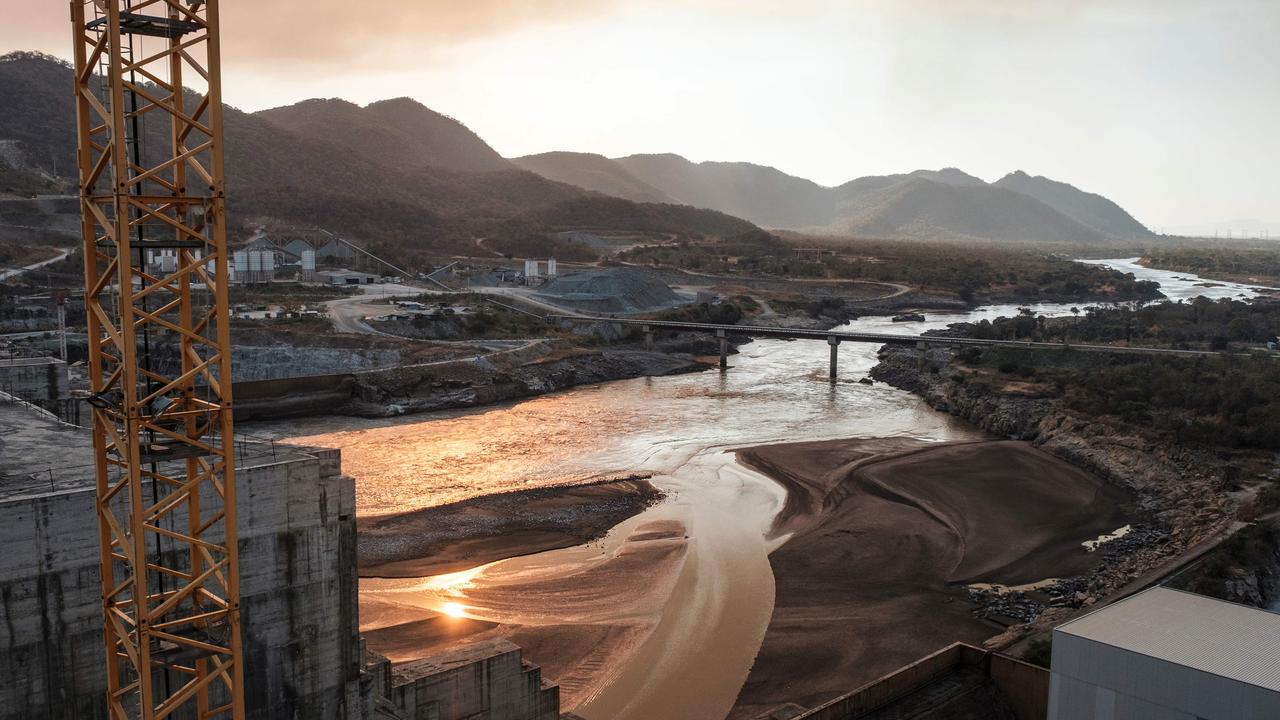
{"points": [[149, 122]]}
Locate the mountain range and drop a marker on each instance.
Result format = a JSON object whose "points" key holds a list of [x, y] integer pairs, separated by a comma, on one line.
{"points": [[947, 203], [393, 172], [398, 172]]}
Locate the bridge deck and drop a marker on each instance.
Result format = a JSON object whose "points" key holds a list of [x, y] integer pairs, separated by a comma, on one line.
{"points": [[882, 338]]}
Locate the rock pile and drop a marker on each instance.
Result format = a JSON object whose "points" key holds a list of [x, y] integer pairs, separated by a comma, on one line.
{"points": [[1014, 605]]}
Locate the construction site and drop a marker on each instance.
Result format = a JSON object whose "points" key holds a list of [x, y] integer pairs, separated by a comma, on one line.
{"points": [[164, 566], [281, 477]]}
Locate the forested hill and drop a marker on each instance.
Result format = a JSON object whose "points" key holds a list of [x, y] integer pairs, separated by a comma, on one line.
{"points": [[391, 173], [399, 133]]}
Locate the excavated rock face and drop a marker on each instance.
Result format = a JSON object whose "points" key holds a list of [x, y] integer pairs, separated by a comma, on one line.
{"points": [[1245, 569]]}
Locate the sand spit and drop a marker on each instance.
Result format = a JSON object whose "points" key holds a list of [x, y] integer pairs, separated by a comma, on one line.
{"points": [[884, 536], [449, 538]]}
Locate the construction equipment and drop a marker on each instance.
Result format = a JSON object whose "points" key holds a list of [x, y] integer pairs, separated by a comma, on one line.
{"points": [[149, 122]]}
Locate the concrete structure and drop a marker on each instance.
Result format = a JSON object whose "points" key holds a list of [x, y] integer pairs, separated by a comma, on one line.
{"points": [[960, 682], [552, 271], [346, 277], [299, 602], [304, 656], [41, 380], [531, 272], [1167, 655], [487, 680]]}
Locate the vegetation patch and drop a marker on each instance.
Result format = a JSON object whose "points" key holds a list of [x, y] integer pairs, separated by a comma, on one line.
{"points": [[971, 272], [1259, 265]]}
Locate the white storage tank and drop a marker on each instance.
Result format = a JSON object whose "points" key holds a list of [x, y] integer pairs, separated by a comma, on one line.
{"points": [[255, 266], [240, 266], [551, 267], [308, 265]]}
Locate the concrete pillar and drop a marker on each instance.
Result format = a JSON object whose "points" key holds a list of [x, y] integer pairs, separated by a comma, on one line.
{"points": [[724, 349], [922, 348], [834, 342], [648, 337]]}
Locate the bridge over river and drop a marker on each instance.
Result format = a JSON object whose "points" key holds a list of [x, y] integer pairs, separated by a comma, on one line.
{"points": [[834, 338]]}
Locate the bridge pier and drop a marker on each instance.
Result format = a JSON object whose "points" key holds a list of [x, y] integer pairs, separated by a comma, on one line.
{"points": [[724, 349], [648, 337], [922, 350], [834, 342]]}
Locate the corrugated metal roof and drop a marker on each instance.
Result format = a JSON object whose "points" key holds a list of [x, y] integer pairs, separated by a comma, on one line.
{"points": [[1234, 641]]}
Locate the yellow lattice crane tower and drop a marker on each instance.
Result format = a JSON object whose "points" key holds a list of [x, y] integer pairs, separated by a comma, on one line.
{"points": [[149, 121]]}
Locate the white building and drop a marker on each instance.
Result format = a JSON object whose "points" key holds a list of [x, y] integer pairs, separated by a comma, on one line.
{"points": [[346, 277], [1167, 655]]}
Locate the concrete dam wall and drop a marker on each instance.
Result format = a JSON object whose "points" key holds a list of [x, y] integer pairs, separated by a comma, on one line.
{"points": [[304, 658], [298, 595]]}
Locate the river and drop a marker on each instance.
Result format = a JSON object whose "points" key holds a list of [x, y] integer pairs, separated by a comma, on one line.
{"points": [[701, 635]]}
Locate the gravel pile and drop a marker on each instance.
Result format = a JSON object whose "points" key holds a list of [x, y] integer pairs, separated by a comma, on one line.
{"points": [[610, 290]]}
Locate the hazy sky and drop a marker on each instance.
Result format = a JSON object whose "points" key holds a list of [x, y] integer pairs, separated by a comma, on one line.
{"points": [[1170, 107]]}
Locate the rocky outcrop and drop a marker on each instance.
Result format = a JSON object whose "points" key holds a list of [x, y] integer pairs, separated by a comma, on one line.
{"points": [[1245, 569], [1179, 489]]}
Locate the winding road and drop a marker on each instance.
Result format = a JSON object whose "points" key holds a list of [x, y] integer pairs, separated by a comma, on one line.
{"points": [[14, 272]]}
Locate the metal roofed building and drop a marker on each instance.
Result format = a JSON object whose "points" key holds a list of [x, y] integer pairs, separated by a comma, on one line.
{"points": [[1167, 655], [346, 277]]}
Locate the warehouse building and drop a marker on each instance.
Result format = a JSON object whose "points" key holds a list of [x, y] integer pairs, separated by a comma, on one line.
{"points": [[346, 277], [1167, 655]]}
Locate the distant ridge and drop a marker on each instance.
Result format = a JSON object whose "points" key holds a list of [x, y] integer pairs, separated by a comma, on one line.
{"points": [[926, 209], [758, 193], [393, 172], [399, 172], [398, 133], [592, 172], [1086, 208], [923, 204]]}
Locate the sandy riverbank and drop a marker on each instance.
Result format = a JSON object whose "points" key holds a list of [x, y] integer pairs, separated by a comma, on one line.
{"points": [[880, 538], [457, 536], [577, 612], [421, 593], [885, 534]]}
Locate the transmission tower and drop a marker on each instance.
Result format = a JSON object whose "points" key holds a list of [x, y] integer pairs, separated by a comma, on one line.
{"points": [[151, 186]]}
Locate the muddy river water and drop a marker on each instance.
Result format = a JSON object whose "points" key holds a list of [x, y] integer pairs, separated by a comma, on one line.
{"points": [[702, 632]]}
